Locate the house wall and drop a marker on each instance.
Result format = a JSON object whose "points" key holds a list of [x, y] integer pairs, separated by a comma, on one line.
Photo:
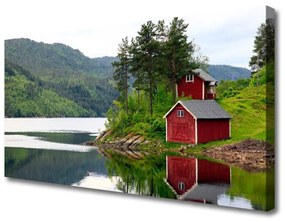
{"points": [[211, 96], [215, 129], [181, 170], [193, 89], [219, 173], [210, 91], [180, 129]]}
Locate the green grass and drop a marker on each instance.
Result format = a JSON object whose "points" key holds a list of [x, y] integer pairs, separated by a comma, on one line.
{"points": [[248, 111]]}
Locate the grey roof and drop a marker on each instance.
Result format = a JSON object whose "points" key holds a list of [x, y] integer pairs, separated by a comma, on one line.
{"points": [[208, 192], [205, 109], [207, 77]]}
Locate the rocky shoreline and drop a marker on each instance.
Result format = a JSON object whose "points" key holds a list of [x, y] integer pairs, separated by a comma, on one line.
{"points": [[250, 154], [127, 146]]}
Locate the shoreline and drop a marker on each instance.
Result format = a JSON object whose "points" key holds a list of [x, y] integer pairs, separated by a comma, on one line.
{"points": [[248, 154]]}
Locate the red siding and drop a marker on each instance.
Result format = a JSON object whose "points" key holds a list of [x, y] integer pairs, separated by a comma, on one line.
{"points": [[193, 89], [181, 170], [180, 129], [209, 172], [211, 96], [215, 129]]}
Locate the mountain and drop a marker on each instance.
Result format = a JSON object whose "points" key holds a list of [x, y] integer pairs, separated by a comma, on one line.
{"points": [[59, 69], [44, 59], [226, 72], [24, 97]]}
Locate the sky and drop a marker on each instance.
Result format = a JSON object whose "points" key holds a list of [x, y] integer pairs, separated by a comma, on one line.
{"points": [[225, 32]]}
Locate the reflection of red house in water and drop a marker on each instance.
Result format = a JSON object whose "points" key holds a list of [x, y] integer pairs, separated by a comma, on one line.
{"points": [[198, 85], [197, 180]]}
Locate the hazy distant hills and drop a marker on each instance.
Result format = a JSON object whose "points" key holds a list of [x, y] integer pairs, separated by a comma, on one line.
{"points": [[225, 72], [56, 76]]}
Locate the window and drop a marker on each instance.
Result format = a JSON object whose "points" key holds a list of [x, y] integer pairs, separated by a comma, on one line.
{"points": [[180, 113], [181, 186], [190, 78]]}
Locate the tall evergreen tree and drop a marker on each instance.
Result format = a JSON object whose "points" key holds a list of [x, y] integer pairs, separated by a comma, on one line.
{"points": [[121, 73], [264, 48], [177, 53], [145, 54]]}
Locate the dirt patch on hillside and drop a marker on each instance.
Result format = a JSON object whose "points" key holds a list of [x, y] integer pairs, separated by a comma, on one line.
{"points": [[252, 155]]}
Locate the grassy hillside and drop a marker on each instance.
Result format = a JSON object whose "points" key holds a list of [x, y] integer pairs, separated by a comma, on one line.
{"points": [[251, 105], [248, 111]]}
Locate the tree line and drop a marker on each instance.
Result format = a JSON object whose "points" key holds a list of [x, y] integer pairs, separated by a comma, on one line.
{"points": [[160, 54]]}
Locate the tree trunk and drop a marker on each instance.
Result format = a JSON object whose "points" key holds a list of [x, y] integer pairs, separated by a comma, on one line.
{"points": [[150, 95], [150, 102], [173, 91], [173, 81], [138, 99], [126, 90]]}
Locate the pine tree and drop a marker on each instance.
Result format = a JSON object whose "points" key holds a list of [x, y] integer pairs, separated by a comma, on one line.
{"points": [[264, 48], [145, 54], [121, 73], [177, 53]]}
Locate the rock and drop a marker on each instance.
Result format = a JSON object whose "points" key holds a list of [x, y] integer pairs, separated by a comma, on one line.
{"points": [[127, 146]]}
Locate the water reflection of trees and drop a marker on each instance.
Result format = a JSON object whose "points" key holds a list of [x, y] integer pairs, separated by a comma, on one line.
{"points": [[53, 166], [143, 177]]}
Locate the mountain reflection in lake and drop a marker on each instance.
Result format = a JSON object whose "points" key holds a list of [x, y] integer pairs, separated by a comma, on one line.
{"points": [[53, 166]]}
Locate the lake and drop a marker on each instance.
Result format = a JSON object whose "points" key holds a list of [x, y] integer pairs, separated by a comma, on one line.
{"points": [[51, 150]]}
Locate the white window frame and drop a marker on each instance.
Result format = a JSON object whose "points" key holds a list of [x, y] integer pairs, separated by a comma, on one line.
{"points": [[190, 78], [180, 113], [181, 185]]}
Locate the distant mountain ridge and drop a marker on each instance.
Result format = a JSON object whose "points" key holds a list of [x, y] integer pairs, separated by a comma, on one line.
{"points": [[70, 76], [38, 56], [226, 72]]}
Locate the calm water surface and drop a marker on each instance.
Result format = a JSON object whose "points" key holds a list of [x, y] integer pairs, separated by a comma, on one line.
{"points": [[51, 150]]}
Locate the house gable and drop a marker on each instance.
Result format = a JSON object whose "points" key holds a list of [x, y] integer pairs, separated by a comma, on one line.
{"points": [[180, 128], [197, 121], [194, 89], [198, 85]]}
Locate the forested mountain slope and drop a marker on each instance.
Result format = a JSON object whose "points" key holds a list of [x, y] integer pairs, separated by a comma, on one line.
{"points": [[24, 97], [64, 71], [226, 72]]}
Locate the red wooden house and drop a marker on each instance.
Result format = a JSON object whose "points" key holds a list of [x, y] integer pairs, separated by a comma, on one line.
{"points": [[198, 85], [197, 180], [197, 121]]}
